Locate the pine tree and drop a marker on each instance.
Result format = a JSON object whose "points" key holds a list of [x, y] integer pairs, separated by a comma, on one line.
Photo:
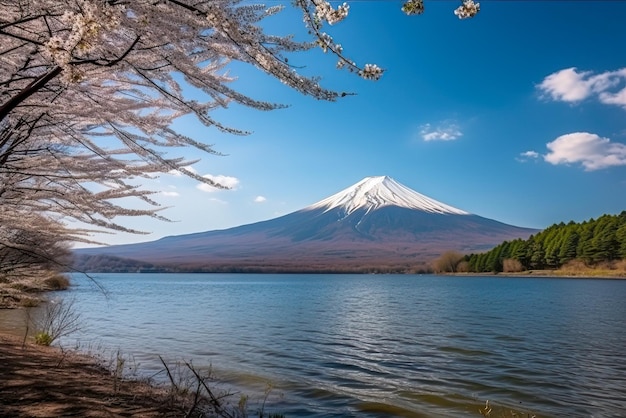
{"points": [[567, 252]]}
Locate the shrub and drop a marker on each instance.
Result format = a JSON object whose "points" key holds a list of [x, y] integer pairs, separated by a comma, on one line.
{"points": [[511, 265], [463, 267], [56, 320], [574, 266], [57, 282], [447, 262], [43, 338]]}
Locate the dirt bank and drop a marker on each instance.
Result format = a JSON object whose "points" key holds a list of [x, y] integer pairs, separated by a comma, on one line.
{"points": [[38, 381]]}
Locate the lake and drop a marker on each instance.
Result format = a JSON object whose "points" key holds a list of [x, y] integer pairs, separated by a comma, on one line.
{"points": [[373, 345]]}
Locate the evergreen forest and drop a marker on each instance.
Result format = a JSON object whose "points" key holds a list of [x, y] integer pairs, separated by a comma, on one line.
{"points": [[592, 242]]}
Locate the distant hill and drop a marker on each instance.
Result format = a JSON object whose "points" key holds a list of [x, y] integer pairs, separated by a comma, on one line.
{"points": [[376, 225]]}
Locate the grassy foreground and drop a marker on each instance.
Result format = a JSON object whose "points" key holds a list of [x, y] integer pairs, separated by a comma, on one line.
{"points": [[42, 381], [47, 381]]}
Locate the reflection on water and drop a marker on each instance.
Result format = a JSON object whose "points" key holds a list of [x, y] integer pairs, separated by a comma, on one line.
{"points": [[373, 346]]}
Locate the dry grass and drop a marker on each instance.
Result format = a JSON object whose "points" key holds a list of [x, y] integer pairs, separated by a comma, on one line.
{"points": [[56, 282], [13, 295], [27, 290], [609, 269]]}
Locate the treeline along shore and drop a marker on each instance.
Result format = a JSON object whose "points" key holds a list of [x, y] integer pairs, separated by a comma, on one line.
{"points": [[593, 248]]}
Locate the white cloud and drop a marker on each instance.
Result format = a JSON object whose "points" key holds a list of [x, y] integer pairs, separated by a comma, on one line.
{"points": [[179, 174], [567, 85], [618, 98], [570, 85], [227, 181], [445, 131], [170, 194], [528, 155], [590, 150], [260, 199]]}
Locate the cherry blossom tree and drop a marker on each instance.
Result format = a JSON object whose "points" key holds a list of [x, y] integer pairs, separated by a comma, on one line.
{"points": [[32, 246], [89, 90], [88, 93]]}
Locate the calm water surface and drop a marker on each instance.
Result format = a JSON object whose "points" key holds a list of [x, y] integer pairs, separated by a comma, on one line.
{"points": [[376, 345]]}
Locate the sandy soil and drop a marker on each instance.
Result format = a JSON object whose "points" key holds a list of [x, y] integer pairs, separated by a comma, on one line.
{"points": [[40, 381]]}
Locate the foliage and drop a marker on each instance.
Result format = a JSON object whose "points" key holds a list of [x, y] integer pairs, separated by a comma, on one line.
{"points": [[43, 338], [89, 91], [592, 242], [57, 282], [447, 262], [31, 245], [510, 265]]}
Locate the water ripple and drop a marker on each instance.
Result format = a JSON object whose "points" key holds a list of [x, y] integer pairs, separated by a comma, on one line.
{"points": [[374, 346]]}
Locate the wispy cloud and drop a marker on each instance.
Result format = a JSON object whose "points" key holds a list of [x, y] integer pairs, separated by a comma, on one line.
{"points": [[260, 199], [444, 131], [227, 181], [177, 173], [590, 150], [527, 156], [572, 86], [170, 194]]}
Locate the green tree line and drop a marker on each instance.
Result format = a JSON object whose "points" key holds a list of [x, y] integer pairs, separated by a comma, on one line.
{"points": [[592, 242]]}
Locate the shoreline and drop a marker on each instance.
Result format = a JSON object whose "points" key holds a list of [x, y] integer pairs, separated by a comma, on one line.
{"points": [[41, 381], [547, 274]]}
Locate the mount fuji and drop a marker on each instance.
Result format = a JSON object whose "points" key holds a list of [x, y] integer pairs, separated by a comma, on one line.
{"points": [[377, 224]]}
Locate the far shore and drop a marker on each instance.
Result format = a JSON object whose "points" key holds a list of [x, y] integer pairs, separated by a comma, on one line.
{"points": [[551, 274]]}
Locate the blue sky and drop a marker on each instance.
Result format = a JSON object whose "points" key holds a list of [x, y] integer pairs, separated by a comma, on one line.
{"points": [[518, 115]]}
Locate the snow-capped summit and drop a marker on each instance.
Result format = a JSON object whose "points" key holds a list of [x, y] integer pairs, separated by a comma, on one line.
{"points": [[376, 192]]}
